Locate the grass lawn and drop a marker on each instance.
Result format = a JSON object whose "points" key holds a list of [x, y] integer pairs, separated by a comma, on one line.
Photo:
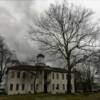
{"points": [[52, 97]]}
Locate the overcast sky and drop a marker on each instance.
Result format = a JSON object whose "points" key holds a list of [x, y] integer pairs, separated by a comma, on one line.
{"points": [[13, 15]]}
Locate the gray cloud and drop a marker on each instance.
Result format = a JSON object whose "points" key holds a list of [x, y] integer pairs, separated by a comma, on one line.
{"points": [[13, 27], [14, 17]]}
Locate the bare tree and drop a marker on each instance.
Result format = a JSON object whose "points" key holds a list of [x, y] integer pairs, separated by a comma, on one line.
{"points": [[68, 31], [86, 75], [5, 55]]}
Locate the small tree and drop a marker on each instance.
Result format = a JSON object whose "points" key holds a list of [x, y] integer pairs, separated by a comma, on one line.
{"points": [[86, 74], [67, 30], [5, 55]]}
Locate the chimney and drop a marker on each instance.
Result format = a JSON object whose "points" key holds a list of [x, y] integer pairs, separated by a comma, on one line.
{"points": [[40, 59]]}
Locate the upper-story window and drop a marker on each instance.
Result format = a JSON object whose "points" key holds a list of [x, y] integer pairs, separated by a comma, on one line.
{"points": [[24, 75], [12, 74], [18, 74], [66, 76], [63, 76], [57, 75], [31, 76], [53, 75]]}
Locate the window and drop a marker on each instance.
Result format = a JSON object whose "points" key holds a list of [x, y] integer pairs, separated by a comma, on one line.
{"points": [[71, 86], [23, 86], [11, 87], [66, 76], [37, 86], [24, 75], [31, 75], [53, 86], [32, 86], [57, 75], [63, 86], [12, 74], [53, 75], [63, 76], [57, 87], [18, 74], [17, 86]]}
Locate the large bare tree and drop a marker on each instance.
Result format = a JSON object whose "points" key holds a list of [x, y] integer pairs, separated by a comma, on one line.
{"points": [[68, 31]]}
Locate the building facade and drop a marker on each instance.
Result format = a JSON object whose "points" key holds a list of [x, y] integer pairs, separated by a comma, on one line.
{"points": [[40, 78], [22, 79]]}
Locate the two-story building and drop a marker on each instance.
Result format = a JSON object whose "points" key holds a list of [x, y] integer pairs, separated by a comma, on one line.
{"points": [[24, 79]]}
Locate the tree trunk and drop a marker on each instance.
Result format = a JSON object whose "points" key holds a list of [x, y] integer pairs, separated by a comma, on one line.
{"points": [[69, 82], [84, 87], [69, 74], [90, 85], [0, 77], [1, 69], [35, 84]]}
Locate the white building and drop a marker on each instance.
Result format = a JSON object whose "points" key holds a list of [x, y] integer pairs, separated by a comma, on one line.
{"points": [[20, 79]]}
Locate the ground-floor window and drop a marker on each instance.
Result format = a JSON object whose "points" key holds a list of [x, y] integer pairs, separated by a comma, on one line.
{"points": [[23, 86], [32, 86], [17, 86], [63, 86], [11, 87], [37, 86], [57, 87], [53, 86]]}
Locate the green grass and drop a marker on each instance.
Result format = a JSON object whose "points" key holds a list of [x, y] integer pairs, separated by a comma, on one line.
{"points": [[52, 97]]}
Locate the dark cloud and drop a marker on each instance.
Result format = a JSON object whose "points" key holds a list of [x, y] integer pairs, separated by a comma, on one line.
{"points": [[14, 17], [13, 27]]}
